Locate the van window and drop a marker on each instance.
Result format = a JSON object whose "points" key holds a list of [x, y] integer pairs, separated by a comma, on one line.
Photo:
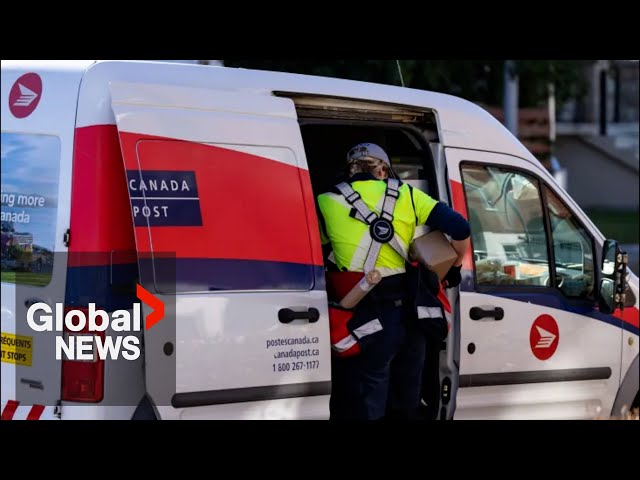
{"points": [[507, 226], [30, 171], [572, 250]]}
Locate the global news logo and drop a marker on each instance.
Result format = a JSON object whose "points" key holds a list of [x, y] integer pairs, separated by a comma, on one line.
{"points": [[82, 333]]}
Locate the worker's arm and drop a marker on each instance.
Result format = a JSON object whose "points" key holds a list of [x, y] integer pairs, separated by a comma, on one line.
{"points": [[461, 247], [447, 220], [442, 217]]}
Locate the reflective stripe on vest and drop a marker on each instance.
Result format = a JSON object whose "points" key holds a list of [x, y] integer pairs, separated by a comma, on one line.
{"points": [[350, 340], [430, 312]]}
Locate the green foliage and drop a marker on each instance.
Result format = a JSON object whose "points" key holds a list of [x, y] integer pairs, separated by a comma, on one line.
{"points": [[16, 252], [566, 75], [27, 278], [7, 227]]}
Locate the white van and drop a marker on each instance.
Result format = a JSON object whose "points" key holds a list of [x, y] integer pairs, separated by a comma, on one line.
{"points": [[198, 182]]}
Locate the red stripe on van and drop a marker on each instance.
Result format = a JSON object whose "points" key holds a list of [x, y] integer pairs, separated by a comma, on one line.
{"points": [[312, 218], [35, 412], [460, 206], [100, 213], [251, 207], [629, 315], [9, 410], [457, 193]]}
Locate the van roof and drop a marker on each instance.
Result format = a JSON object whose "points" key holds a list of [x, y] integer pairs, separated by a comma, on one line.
{"points": [[462, 123]]}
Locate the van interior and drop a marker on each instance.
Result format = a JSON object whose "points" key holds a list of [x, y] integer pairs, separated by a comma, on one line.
{"points": [[330, 127]]}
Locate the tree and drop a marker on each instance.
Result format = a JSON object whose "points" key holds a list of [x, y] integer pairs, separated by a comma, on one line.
{"points": [[567, 76], [7, 227], [15, 251]]}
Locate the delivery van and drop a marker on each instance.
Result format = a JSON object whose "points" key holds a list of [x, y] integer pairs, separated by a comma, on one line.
{"points": [[179, 200]]}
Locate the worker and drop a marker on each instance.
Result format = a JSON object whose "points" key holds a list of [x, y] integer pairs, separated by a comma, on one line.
{"points": [[367, 223]]}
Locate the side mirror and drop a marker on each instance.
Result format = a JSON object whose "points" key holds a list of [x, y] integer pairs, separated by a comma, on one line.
{"points": [[614, 272], [609, 257], [607, 295]]}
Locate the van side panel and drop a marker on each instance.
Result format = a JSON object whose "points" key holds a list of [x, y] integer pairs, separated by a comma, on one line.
{"points": [[102, 250], [102, 260], [49, 104], [630, 350], [99, 193], [225, 206]]}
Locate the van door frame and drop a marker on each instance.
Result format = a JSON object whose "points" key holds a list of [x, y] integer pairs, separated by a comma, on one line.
{"points": [[435, 166]]}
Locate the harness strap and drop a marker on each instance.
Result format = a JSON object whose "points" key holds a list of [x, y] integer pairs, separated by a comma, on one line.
{"points": [[380, 227]]}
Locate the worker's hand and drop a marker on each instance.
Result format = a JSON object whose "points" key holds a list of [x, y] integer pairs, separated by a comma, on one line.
{"points": [[453, 278]]}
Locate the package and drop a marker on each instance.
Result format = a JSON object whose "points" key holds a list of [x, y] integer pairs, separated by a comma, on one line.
{"points": [[434, 251]]}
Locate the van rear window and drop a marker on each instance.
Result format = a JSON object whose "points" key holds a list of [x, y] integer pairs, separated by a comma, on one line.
{"points": [[30, 173]]}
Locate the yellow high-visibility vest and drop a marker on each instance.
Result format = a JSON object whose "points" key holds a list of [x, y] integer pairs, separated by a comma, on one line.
{"points": [[349, 237]]}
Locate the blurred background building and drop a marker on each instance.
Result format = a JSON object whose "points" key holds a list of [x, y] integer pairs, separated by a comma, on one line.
{"points": [[597, 146], [600, 132]]}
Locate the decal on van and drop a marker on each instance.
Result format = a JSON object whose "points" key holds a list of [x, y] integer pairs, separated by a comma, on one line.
{"points": [[25, 95], [164, 198], [12, 410], [544, 337], [248, 235], [30, 171], [16, 349]]}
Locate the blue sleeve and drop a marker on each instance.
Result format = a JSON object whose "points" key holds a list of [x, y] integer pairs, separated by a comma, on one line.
{"points": [[448, 221]]}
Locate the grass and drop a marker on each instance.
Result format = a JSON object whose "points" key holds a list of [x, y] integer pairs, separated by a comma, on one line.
{"points": [[619, 225], [27, 278]]}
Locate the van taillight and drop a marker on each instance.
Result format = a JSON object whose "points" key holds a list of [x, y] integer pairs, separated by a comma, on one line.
{"points": [[82, 381]]}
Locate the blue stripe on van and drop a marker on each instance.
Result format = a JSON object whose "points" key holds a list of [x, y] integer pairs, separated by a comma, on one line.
{"points": [[110, 288], [214, 274], [557, 301], [107, 287]]}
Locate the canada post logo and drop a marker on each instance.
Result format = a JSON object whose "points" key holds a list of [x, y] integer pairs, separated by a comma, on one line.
{"points": [[82, 333], [164, 198], [25, 94]]}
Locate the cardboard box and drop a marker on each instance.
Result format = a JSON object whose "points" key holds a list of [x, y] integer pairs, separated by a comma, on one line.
{"points": [[434, 251]]}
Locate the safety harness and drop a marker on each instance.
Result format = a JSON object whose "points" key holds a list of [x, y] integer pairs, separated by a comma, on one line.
{"points": [[380, 227], [345, 342]]}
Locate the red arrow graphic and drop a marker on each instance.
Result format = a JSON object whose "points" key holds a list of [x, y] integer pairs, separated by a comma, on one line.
{"points": [[152, 301]]}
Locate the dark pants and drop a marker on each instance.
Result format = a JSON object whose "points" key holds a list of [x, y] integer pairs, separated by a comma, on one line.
{"points": [[431, 381], [385, 378]]}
